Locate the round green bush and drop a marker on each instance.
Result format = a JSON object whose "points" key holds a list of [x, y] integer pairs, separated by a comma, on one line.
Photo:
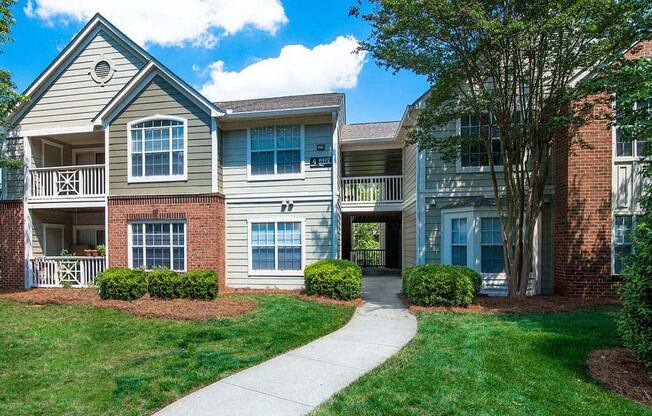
{"points": [[439, 285], [475, 277], [122, 284], [164, 284], [336, 279], [197, 284]]}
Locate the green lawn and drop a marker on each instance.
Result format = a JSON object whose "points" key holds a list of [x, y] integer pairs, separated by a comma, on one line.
{"points": [[81, 360], [471, 364]]}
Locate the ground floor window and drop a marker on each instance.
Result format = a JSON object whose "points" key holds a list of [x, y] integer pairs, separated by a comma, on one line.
{"points": [[158, 244], [491, 255], [623, 225], [276, 245]]}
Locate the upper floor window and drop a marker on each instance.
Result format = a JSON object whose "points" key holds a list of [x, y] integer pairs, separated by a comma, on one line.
{"points": [[275, 151], [157, 149], [630, 148], [474, 155]]}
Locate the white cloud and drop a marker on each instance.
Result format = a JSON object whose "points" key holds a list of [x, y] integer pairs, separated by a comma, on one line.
{"points": [[297, 70], [168, 22]]}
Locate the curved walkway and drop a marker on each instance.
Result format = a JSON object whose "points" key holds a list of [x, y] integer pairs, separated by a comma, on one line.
{"points": [[296, 382]]}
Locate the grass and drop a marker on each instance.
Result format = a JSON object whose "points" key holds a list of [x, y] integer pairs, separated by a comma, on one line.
{"points": [[81, 360], [473, 364]]}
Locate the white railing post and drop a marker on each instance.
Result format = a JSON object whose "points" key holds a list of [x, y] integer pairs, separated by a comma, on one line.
{"points": [[79, 271], [373, 189], [67, 182]]}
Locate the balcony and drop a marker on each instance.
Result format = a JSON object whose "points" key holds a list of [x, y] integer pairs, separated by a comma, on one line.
{"points": [[65, 185], [55, 271], [372, 192]]}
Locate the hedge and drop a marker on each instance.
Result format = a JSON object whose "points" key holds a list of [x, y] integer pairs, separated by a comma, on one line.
{"points": [[440, 285], [168, 284], [336, 279], [122, 284]]}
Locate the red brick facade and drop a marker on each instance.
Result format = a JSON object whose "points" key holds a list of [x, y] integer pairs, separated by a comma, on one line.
{"points": [[204, 215], [12, 245]]}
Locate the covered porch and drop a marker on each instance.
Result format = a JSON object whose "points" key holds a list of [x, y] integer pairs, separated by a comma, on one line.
{"points": [[67, 247], [385, 255]]}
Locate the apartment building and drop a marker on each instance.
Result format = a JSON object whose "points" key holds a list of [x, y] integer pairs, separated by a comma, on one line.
{"points": [[128, 165]]}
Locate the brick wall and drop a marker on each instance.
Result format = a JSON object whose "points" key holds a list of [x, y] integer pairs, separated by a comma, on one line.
{"points": [[12, 245], [204, 215]]}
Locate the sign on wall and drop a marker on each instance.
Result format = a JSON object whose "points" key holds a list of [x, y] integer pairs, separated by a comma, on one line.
{"points": [[321, 162]]}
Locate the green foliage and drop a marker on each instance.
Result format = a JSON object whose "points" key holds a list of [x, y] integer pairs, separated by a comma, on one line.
{"points": [[440, 285], [366, 236], [168, 284], [636, 289], [336, 279], [122, 284], [473, 276]]}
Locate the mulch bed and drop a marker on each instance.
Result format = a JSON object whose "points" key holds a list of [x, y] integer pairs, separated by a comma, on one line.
{"points": [[617, 369], [531, 304], [179, 309]]}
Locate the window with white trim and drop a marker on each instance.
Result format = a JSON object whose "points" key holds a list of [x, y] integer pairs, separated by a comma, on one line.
{"points": [[474, 154], [158, 244], [158, 148], [628, 142], [491, 241], [275, 150], [459, 241], [276, 246], [623, 225]]}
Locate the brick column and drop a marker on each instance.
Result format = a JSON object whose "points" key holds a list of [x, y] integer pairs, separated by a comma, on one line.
{"points": [[204, 215], [12, 245]]}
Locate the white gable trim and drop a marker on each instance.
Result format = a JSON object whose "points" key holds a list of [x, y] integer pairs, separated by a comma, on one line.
{"points": [[139, 82]]}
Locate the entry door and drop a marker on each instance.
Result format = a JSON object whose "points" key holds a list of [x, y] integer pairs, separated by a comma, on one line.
{"points": [[53, 240], [52, 156]]}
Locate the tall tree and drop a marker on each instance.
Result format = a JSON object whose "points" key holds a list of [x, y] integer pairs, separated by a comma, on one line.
{"points": [[9, 98], [511, 63]]}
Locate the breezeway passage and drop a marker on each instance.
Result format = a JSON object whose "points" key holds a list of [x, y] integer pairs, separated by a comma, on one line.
{"points": [[296, 382]]}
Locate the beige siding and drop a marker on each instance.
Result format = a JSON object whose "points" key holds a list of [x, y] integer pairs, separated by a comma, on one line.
{"points": [[317, 180], [159, 97], [74, 98], [409, 172], [409, 233], [318, 243]]}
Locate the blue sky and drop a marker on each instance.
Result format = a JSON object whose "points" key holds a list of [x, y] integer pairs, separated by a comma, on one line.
{"points": [[229, 57]]}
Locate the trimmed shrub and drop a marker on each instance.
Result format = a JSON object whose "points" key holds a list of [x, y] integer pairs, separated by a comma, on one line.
{"points": [[475, 277], [164, 284], [635, 324], [168, 284], [199, 284], [336, 279], [439, 285], [122, 284]]}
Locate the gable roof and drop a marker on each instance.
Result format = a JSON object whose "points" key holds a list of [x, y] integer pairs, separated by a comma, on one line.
{"points": [[98, 22], [383, 130], [140, 81]]}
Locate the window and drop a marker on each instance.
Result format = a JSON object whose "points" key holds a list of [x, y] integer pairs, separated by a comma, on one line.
{"points": [[276, 246], [632, 146], [89, 235], [622, 241], [157, 150], [158, 244], [475, 154], [491, 255], [275, 150], [458, 241]]}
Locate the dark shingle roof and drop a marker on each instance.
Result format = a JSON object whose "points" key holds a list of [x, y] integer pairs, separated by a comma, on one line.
{"points": [[282, 103], [379, 130]]}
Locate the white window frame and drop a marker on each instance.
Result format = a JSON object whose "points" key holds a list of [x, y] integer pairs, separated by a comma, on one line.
{"points": [[94, 227], [613, 236], [283, 176], [276, 219], [94, 150], [61, 227], [185, 241], [470, 169], [158, 178]]}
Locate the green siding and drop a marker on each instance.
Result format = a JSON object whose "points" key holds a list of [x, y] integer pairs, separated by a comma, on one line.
{"points": [[13, 179], [159, 97]]}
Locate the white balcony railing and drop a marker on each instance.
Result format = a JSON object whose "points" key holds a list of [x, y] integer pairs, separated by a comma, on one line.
{"points": [[67, 182], [372, 189], [55, 271]]}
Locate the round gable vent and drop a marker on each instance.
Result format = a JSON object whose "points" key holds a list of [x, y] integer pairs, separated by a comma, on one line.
{"points": [[102, 70]]}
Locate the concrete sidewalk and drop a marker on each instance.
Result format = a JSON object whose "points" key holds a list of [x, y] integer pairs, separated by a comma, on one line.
{"points": [[296, 382]]}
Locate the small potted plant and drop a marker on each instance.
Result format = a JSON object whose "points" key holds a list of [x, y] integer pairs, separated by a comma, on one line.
{"points": [[101, 250]]}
